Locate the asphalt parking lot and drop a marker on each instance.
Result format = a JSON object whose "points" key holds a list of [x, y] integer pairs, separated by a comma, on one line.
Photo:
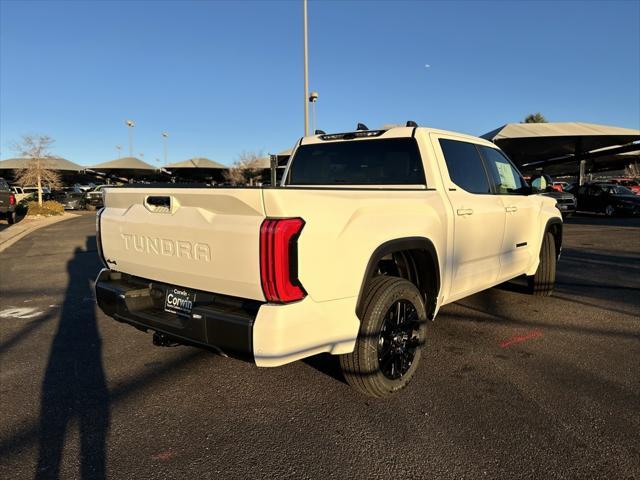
{"points": [[510, 386]]}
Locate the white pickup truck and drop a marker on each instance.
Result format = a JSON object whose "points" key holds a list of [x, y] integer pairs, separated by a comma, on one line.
{"points": [[368, 234]]}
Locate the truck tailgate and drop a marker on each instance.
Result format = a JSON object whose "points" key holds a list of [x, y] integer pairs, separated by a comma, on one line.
{"points": [[201, 238]]}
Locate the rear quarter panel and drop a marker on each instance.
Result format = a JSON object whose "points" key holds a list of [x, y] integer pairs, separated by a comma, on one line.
{"points": [[344, 227]]}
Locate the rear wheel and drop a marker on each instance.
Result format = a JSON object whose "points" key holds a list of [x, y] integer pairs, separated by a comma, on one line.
{"points": [[392, 332], [11, 218], [609, 211], [542, 282]]}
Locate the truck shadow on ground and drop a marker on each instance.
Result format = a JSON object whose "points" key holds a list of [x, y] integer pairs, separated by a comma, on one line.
{"points": [[74, 386]]}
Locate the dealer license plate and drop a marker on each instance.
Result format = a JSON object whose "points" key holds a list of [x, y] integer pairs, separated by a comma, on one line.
{"points": [[179, 301]]}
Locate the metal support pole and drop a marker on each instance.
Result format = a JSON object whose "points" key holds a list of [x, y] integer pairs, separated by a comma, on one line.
{"points": [[306, 68], [274, 166], [583, 168]]}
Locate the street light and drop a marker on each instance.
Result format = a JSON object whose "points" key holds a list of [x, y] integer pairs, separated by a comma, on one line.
{"points": [[313, 98], [165, 135], [130, 124], [306, 68]]}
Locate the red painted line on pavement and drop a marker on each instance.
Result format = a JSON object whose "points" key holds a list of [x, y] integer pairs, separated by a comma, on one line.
{"points": [[520, 338], [164, 456]]}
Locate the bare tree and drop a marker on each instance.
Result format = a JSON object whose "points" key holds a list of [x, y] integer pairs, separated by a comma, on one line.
{"points": [[37, 149], [246, 169]]}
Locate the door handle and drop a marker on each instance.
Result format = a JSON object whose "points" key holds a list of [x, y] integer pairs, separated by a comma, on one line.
{"points": [[464, 211], [511, 209]]}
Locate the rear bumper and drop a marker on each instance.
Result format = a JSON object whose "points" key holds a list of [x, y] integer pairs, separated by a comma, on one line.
{"points": [[267, 334], [217, 322]]}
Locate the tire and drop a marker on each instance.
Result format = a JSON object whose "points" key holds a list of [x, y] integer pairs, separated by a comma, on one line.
{"points": [[386, 355], [542, 282], [90, 207], [609, 210], [11, 218]]}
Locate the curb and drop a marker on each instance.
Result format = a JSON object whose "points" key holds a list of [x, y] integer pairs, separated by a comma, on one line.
{"points": [[37, 224]]}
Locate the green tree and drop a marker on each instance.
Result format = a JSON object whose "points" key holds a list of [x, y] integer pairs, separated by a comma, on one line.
{"points": [[535, 118]]}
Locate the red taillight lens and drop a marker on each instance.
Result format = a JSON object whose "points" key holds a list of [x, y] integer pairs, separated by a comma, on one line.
{"points": [[12, 199], [279, 259]]}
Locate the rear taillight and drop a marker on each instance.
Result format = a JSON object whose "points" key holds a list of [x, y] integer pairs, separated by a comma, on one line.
{"points": [[279, 259], [12, 199]]}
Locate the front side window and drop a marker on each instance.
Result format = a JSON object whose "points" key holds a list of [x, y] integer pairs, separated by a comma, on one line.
{"points": [[465, 166], [393, 161], [506, 177]]}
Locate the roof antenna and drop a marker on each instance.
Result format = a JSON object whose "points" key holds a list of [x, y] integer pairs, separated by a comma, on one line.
{"points": [[362, 126], [411, 123], [320, 132]]}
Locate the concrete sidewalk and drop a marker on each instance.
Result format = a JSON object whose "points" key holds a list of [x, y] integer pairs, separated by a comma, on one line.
{"points": [[24, 227]]}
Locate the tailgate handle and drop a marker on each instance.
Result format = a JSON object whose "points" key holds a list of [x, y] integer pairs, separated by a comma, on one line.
{"points": [[158, 203]]}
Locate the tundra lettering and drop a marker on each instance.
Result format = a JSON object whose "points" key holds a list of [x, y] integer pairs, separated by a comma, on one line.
{"points": [[366, 236], [167, 247]]}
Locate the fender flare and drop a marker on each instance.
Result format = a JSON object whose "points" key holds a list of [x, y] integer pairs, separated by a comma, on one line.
{"points": [[395, 245], [551, 222]]}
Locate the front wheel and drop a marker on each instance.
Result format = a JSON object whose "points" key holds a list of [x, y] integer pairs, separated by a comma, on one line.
{"points": [[392, 332], [542, 282]]}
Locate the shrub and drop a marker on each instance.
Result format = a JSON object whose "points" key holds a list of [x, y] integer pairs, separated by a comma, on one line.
{"points": [[47, 209]]}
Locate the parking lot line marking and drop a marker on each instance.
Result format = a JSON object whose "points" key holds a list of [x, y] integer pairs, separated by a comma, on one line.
{"points": [[520, 338]]}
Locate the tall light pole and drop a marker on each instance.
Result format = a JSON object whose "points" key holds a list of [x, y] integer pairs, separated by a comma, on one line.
{"points": [[119, 149], [130, 125], [165, 135], [313, 98], [306, 68]]}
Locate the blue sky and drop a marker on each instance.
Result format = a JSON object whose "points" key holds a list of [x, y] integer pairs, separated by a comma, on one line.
{"points": [[226, 77]]}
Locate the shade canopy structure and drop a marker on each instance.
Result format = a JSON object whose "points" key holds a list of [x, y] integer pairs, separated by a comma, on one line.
{"points": [[537, 142], [125, 163], [54, 163], [197, 162]]}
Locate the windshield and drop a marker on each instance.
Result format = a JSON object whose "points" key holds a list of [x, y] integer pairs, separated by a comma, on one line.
{"points": [[617, 190], [394, 161]]}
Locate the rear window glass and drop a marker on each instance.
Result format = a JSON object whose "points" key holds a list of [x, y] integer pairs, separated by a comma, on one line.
{"points": [[465, 166], [394, 161]]}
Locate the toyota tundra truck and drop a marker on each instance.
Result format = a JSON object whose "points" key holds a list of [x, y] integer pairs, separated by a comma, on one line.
{"points": [[352, 253]]}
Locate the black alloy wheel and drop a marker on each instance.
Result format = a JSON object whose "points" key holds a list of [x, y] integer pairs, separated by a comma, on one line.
{"points": [[399, 339]]}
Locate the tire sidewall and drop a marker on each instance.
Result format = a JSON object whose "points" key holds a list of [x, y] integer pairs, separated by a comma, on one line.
{"points": [[371, 326]]}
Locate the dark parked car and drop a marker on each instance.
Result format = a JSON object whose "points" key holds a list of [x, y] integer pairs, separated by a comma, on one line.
{"points": [[7, 202], [607, 198], [565, 201], [72, 198]]}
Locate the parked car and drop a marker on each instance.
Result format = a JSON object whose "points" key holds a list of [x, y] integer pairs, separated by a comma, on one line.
{"points": [[356, 250], [560, 186], [30, 193], [629, 183], [607, 198], [72, 198], [565, 201], [7, 202], [94, 197], [21, 195]]}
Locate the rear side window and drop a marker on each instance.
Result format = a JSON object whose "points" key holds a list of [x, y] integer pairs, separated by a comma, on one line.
{"points": [[506, 177], [465, 166], [394, 161], [4, 185]]}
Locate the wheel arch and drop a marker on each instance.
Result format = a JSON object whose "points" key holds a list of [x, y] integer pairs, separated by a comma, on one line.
{"points": [[422, 259], [554, 226]]}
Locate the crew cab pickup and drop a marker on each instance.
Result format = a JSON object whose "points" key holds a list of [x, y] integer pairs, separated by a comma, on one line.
{"points": [[366, 236]]}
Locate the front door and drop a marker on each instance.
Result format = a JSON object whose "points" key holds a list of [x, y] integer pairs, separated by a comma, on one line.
{"points": [[521, 210]]}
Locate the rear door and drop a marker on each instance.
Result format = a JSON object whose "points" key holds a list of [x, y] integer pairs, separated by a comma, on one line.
{"points": [[521, 213], [201, 238], [478, 217]]}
